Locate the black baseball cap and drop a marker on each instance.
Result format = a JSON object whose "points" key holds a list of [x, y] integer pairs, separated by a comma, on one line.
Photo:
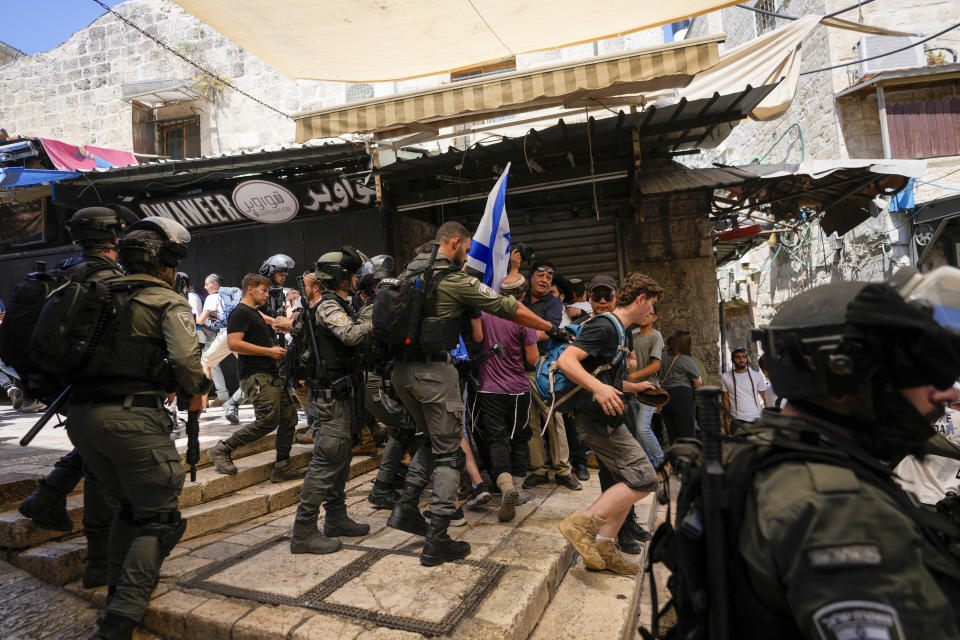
{"points": [[602, 281], [737, 350]]}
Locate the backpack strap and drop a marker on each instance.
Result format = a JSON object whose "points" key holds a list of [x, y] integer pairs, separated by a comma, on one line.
{"points": [[617, 358]]}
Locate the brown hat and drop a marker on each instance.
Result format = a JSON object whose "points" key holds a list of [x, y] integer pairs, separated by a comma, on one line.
{"points": [[602, 281]]}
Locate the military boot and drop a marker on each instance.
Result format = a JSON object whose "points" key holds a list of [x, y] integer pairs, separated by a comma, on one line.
{"points": [[283, 470], [98, 550], [614, 561], [306, 539], [406, 514], [510, 499], [580, 529], [383, 495], [626, 542], [338, 523], [439, 547], [634, 530], [220, 455], [114, 627], [47, 507]]}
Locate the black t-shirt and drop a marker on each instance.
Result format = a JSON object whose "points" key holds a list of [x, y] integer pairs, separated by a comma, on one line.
{"points": [[599, 338], [247, 320]]}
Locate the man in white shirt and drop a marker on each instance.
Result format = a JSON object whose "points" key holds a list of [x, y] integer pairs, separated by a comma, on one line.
{"points": [[742, 389], [217, 349]]}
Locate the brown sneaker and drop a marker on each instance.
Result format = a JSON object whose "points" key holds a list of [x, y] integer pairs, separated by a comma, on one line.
{"points": [[614, 560], [283, 471], [304, 436], [580, 529]]}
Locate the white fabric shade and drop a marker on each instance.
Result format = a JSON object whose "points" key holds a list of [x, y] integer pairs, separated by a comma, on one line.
{"points": [[377, 40]]}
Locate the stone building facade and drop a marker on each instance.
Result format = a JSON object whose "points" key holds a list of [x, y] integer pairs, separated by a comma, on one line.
{"points": [[833, 127], [74, 91]]}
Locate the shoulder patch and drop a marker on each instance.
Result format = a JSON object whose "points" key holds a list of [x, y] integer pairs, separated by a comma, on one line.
{"points": [[828, 478], [189, 322], [487, 291], [844, 556], [855, 619]]}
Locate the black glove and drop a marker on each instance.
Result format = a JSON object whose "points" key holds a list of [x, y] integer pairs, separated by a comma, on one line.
{"points": [[558, 334]]}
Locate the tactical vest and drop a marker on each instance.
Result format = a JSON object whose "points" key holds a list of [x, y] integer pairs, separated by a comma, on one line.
{"points": [[437, 335], [753, 616], [124, 363], [337, 358]]}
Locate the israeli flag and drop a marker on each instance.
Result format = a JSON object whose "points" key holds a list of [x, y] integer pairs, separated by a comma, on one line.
{"points": [[490, 248]]}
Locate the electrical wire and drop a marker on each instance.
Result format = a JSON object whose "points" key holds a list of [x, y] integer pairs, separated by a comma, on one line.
{"points": [[760, 270], [881, 55], [192, 63], [803, 144]]}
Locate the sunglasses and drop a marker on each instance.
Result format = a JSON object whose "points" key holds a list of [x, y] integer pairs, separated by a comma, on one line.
{"points": [[604, 297], [545, 270]]}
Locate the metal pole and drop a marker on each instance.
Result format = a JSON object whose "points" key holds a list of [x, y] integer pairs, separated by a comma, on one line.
{"points": [[884, 132]]}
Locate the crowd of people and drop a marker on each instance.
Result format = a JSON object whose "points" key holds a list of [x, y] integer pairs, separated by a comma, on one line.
{"points": [[486, 395]]}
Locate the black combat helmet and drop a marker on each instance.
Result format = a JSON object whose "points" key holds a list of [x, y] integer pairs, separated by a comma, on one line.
{"points": [[100, 226], [337, 266], [278, 263], [869, 341], [154, 241]]}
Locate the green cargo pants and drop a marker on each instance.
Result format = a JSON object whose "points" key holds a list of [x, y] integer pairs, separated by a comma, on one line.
{"points": [[272, 408], [431, 393], [130, 451], [329, 468]]}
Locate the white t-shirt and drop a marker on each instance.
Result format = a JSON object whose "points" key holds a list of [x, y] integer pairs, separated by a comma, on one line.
{"points": [[196, 306], [745, 402], [214, 304], [929, 478]]}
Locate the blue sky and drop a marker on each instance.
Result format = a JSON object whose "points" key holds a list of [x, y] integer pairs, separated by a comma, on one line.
{"points": [[40, 25]]}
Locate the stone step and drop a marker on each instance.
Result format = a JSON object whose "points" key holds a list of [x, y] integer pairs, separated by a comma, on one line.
{"points": [[254, 462], [224, 505], [596, 604], [14, 487]]}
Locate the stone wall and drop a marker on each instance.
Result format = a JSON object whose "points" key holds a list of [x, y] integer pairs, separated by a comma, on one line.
{"points": [[73, 92], [671, 244]]}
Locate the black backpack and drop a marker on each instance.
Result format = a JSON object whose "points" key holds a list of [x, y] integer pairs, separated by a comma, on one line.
{"points": [[72, 321], [398, 306], [297, 363], [23, 309]]}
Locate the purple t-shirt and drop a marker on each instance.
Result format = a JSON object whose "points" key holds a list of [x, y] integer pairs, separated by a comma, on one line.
{"points": [[506, 374]]}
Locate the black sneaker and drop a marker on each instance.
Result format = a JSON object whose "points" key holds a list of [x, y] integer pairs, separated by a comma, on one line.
{"points": [[570, 482], [582, 472], [534, 480], [478, 495], [456, 520]]}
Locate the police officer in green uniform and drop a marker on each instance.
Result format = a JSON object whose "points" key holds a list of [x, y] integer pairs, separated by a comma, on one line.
{"points": [[378, 399], [97, 230], [428, 385], [335, 399], [829, 546], [117, 422]]}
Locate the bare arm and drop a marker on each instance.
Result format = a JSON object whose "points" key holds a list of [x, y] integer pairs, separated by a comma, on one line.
{"points": [[203, 316], [531, 353], [237, 344], [570, 362], [477, 327], [651, 368], [696, 382]]}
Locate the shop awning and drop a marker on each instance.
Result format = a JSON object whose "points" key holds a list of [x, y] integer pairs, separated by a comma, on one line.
{"points": [[645, 70], [68, 157], [372, 40], [11, 177]]}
